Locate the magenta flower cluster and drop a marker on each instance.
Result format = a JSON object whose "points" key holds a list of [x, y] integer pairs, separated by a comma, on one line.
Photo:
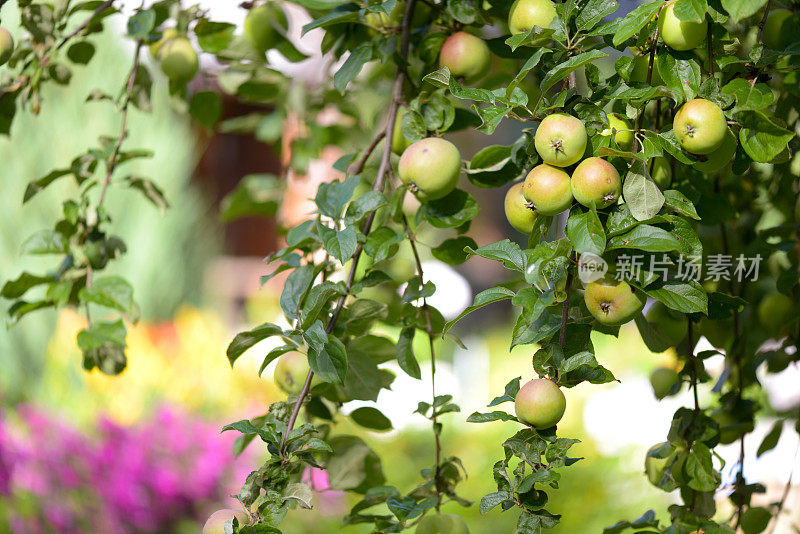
{"points": [[145, 478]]}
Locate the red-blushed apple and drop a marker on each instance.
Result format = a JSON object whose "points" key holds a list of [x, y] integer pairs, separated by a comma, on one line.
{"points": [[435, 523], [721, 156], [596, 182], [561, 140], [540, 403], [700, 126], [621, 128], [679, 34], [178, 60], [519, 215], [663, 379], [261, 26], [613, 302], [670, 325], [466, 56], [430, 168], [525, 14], [774, 312], [215, 524], [548, 190], [6, 46]]}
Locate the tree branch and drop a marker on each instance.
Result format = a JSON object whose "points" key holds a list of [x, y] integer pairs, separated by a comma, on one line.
{"points": [[82, 26], [763, 23], [710, 45], [380, 182]]}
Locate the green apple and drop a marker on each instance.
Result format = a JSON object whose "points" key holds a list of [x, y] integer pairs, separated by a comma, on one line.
{"points": [[700, 126], [540, 403], [662, 379], [519, 215], [661, 172], [166, 35], [430, 168], [641, 64], [6, 46], [435, 523], [621, 128], [655, 461], [561, 140], [178, 59], [613, 302], [780, 29], [548, 189], [399, 142], [670, 325], [261, 26], [525, 14], [215, 524], [730, 428], [596, 182], [721, 156], [679, 34], [774, 312], [291, 372], [466, 55]]}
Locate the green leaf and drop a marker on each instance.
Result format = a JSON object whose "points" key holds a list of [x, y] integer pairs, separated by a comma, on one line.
{"points": [[332, 197], [645, 237], [678, 202], [295, 288], [451, 251], [562, 70], [329, 361], [486, 297], [245, 340], [352, 66], [405, 353], [488, 502], [353, 465], [593, 12], [749, 96], [214, 37], [634, 21], [141, 24], [686, 297], [371, 418], [741, 9], [413, 126], [36, 186], [340, 14], [109, 291], [641, 193], [366, 203], [149, 189], [691, 10], [505, 251], [300, 492], [342, 244], [771, 439], [478, 417], [761, 137], [585, 232], [14, 289], [206, 108], [99, 333], [45, 242], [81, 52], [452, 211]]}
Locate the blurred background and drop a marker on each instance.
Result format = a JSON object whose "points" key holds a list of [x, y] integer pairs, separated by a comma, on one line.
{"points": [[142, 452]]}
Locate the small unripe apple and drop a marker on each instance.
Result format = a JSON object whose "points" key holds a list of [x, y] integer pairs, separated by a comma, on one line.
{"points": [[679, 34], [465, 55], [662, 379], [672, 326], [779, 29], [721, 156], [730, 428], [641, 65], [613, 302], [6, 46], [399, 142], [519, 215], [561, 140], [548, 189], [435, 523], [166, 35], [260, 26], [215, 524], [430, 168], [655, 461], [623, 135], [525, 14], [540, 403], [661, 172], [596, 182], [178, 59], [291, 372], [700, 126], [774, 310]]}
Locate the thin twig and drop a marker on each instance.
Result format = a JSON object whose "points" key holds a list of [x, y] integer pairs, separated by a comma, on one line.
{"points": [[380, 181], [429, 329], [649, 79], [785, 495], [693, 361], [370, 149], [710, 44], [82, 26], [763, 23]]}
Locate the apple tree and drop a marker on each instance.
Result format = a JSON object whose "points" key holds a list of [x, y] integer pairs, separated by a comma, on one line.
{"points": [[656, 161]]}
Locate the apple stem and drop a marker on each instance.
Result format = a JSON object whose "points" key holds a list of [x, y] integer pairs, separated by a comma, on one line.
{"points": [[380, 182]]}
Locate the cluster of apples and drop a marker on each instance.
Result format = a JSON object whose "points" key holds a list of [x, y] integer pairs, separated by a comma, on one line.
{"points": [[6, 46]]}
